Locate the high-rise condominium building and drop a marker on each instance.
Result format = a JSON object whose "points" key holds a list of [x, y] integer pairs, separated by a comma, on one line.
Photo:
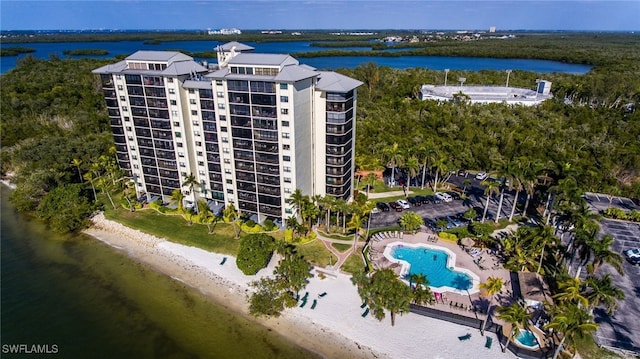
{"points": [[251, 129]]}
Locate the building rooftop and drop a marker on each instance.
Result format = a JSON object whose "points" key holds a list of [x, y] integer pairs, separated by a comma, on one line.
{"points": [[334, 82], [238, 46], [486, 94], [164, 56], [263, 59]]}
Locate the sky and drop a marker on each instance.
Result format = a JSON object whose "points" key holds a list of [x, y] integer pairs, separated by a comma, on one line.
{"points": [[590, 15]]}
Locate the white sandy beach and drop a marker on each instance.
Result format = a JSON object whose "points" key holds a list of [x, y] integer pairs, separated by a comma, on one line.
{"points": [[335, 328]]}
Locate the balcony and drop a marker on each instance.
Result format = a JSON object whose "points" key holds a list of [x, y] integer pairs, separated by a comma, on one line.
{"points": [[266, 158], [275, 211], [244, 166], [273, 191]]}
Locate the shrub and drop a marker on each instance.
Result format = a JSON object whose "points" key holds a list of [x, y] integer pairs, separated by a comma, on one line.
{"points": [[634, 216], [448, 236], [269, 225], [460, 232], [254, 228], [615, 213], [250, 223], [255, 253], [481, 229]]}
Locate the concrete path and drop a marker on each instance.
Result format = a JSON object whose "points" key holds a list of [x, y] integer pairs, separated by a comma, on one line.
{"points": [[342, 256]]}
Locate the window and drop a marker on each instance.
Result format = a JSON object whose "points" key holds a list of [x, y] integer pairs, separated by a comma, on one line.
{"points": [[122, 98], [131, 138], [287, 190], [223, 117], [287, 179], [225, 150], [286, 147], [200, 163], [179, 144], [132, 148], [192, 101], [225, 139], [126, 119], [221, 106], [190, 90], [119, 77], [174, 113], [196, 133], [125, 108], [128, 128], [219, 82], [286, 158], [172, 91], [199, 153], [136, 166], [227, 170], [196, 123], [194, 112], [286, 169], [285, 135], [201, 172], [284, 98], [220, 94], [173, 102], [180, 154], [120, 87], [182, 164], [283, 86], [223, 129], [227, 161], [176, 123], [229, 181], [134, 157], [288, 211], [178, 134], [285, 123], [198, 143], [284, 111], [170, 80], [230, 191]]}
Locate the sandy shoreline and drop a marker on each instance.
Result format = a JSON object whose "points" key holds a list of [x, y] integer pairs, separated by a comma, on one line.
{"points": [[334, 329]]}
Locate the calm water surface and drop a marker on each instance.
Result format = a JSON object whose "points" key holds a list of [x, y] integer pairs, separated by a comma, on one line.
{"points": [[44, 50], [94, 302]]}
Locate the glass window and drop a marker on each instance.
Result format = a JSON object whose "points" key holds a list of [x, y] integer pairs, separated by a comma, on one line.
{"points": [[198, 143], [173, 102], [190, 90], [196, 123], [172, 91], [192, 101], [221, 106], [287, 179], [227, 170], [122, 98], [219, 82], [125, 108], [176, 123], [230, 191], [286, 147], [285, 135], [287, 190], [285, 123], [227, 161], [197, 133], [284, 111], [284, 98], [170, 80], [178, 134], [179, 144], [229, 181], [225, 150], [199, 153], [283, 86], [120, 87], [182, 164], [200, 163], [286, 169], [127, 119], [194, 112], [174, 113], [286, 158], [223, 129], [180, 154], [223, 117]]}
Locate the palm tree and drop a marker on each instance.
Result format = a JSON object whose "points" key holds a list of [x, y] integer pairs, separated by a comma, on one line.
{"points": [[205, 213], [601, 291], [440, 166], [102, 183], [491, 187], [411, 221], [232, 215], [544, 237], [413, 166], [572, 321], [190, 181], [492, 286], [603, 254], [178, 197], [515, 315], [329, 202], [341, 206], [89, 176], [571, 291], [395, 159], [370, 180], [367, 211], [356, 223], [388, 292], [466, 183], [77, 162], [297, 201]]}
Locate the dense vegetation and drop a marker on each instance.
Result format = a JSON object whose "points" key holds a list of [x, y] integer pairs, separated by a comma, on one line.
{"points": [[15, 51], [85, 52], [255, 253]]}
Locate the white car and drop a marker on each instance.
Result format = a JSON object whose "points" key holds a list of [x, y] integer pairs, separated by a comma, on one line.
{"points": [[632, 255], [375, 210], [481, 176], [403, 204], [444, 197]]}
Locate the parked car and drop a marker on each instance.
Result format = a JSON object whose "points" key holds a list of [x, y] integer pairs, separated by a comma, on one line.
{"points": [[454, 194], [403, 204], [463, 173], [447, 223], [444, 197], [481, 176], [395, 206], [422, 199], [414, 201], [433, 199], [453, 219], [382, 206], [632, 255], [375, 210], [430, 223], [480, 211]]}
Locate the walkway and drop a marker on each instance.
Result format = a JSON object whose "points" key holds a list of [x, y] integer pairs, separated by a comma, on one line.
{"points": [[342, 256], [373, 195]]}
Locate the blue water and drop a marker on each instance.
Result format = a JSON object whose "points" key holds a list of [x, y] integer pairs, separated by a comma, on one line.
{"points": [[433, 265], [527, 338], [44, 50]]}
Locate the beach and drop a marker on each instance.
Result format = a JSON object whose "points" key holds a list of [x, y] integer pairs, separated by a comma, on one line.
{"points": [[335, 328]]}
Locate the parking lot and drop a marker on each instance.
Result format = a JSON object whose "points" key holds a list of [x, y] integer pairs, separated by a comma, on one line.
{"points": [[623, 329]]}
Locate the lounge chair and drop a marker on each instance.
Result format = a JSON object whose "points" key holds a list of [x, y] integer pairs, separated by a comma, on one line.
{"points": [[313, 305], [366, 312], [304, 302], [465, 337], [488, 343], [322, 294], [363, 305], [224, 260]]}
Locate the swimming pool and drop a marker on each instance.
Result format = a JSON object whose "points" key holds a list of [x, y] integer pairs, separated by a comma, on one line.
{"points": [[435, 263], [527, 339]]}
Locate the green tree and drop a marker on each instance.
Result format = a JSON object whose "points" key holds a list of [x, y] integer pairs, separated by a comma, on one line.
{"points": [[65, 208], [602, 292], [384, 291], [231, 214], [77, 163], [515, 315], [411, 221], [254, 253], [178, 197], [190, 182], [489, 289], [572, 291], [293, 272], [490, 187], [268, 299], [602, 253], [572, 321]]}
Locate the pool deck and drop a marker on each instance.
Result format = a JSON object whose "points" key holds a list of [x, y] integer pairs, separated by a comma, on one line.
{"points": [[450, 301]]}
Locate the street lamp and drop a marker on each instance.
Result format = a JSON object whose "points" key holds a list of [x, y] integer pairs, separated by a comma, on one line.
{"points": [[462, 80], [446, 73], [508, 73]]}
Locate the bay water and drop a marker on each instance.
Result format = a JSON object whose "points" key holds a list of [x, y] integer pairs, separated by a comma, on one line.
{"points": [[85, 299]]}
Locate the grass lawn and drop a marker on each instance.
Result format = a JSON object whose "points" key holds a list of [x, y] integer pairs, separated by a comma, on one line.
{"points": [[353, 264], [588, 349], [176, 229], [316, 253], [341, 246]]}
